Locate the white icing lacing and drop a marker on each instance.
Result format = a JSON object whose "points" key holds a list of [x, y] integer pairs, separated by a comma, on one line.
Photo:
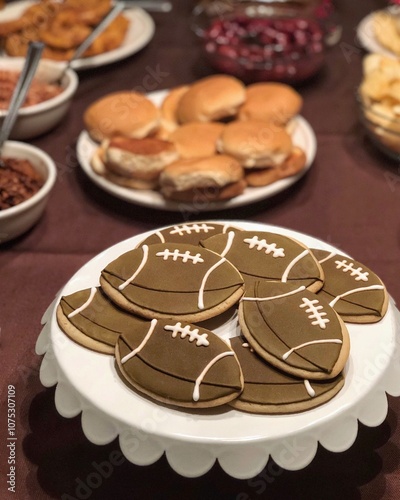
{"points": [[260, 299], [93, 290], [309, 389], [186, 257], [255, 242], [145, 249], [201, 339], [326, 341], [142, 344], [292, 264], [188, 229], [315, 312], [200, 302], [361, 289], [196, 390], [346, 267]]}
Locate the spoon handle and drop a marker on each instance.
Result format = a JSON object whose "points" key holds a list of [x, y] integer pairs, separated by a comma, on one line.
{"points": [[23, 84]]}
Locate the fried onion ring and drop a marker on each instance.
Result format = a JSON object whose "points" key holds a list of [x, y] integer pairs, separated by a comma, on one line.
{"points": [[64, 31]]}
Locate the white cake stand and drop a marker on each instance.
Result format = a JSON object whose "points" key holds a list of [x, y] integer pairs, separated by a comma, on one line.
{"points": [[88, 384]]}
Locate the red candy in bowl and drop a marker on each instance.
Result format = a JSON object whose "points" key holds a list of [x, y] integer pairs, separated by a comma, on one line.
{"points": [[265, 41]]}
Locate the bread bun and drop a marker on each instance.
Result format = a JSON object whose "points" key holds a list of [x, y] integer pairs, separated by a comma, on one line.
{"points": [[215, 177], [210, 99], [126, 113], [196, 139], [271, 102], [169, 118], [256, 177], [133, 162], [255, 143]]}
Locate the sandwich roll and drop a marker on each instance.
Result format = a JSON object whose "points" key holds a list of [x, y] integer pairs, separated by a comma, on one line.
{"points": [[255, 143], [271, 102], [133, 162], [125, 113], [196, 139], [210, 99], [215, 177], [294, 164], [168, 108]]}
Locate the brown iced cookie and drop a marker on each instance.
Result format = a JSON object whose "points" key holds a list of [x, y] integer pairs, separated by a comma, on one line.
{"points": [[294, 329], [271, 391], [355, 292], [262, 255], [189, 232], [92, 320], [172, 280], [179, 364]]}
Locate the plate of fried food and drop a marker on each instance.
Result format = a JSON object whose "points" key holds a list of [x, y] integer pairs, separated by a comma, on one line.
{"points": [[379, 32], [211, 144], [63, 26]]}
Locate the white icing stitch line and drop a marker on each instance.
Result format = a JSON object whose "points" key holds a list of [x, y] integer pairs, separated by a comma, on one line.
{"points": [[292, 264], [185, 228], [84, 306], [309, 389], [348, 267], [330, 256], [144, 260], [196, 390], [258, 244], [361, 289], [201, 339], [312, 342], [186, 257], [142, 344], [314, 312], [260, 299], [200, 303]]}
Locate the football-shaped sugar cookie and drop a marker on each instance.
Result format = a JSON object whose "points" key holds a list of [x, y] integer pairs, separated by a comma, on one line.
{"points": [[92, 320], [353, 290], [271, 391], [179, 364], [294, 329], [190, 232], [262, 255], [173, 280]]}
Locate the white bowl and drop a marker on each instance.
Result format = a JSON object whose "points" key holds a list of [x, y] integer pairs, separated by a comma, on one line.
{"points": [[35, 120], [14, 221]]}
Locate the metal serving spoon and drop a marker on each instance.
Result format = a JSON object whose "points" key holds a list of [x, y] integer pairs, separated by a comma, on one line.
{"points": [[25, 78]]}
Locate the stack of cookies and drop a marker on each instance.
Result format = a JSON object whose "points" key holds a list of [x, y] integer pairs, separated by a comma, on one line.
{"points": [[212, 138], [291, 344]]}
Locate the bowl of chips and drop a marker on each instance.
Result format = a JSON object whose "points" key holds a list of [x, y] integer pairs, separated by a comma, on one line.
{"points": [[379, 102]]}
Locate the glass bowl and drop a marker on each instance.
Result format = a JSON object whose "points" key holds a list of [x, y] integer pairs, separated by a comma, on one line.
{"points": [[266, 40], [381, 126]]}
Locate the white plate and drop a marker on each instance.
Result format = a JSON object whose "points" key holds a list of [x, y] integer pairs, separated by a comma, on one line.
{"points": [[87, 382], [366, 36], [302, 136], [140, 32]]}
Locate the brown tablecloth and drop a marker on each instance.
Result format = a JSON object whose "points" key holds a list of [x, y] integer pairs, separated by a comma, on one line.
{"points": [[350, 198]]}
